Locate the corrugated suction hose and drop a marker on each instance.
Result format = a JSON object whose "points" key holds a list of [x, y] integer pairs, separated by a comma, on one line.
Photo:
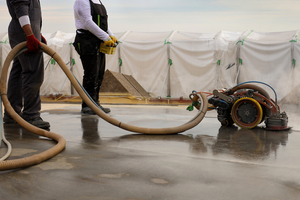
{"points": [[38, 158]]}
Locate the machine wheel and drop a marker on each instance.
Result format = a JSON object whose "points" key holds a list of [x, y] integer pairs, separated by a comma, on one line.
{"points": [[246, 113]]}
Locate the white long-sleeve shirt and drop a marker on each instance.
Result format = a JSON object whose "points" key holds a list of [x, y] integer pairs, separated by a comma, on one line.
{"points": [[84, 20]]}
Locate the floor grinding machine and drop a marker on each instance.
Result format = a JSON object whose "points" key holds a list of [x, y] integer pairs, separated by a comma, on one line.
{"points": [[247, 105]]}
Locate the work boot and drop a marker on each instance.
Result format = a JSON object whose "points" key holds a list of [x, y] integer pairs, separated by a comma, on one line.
{"points": [[87, 110], [106, 110], [8, 120], [38, 122]]}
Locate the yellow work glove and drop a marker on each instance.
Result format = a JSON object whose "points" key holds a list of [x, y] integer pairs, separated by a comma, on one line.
{"points": [[114, 39], [109, 42]]}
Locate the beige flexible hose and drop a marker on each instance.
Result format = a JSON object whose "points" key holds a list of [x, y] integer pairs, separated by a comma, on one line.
{"points": [[25, 162], [99, 112], [38, 158]]}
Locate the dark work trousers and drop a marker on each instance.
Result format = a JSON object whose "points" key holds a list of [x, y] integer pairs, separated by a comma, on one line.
{"points": [[94, 68], [27, 73], [25, 80]]}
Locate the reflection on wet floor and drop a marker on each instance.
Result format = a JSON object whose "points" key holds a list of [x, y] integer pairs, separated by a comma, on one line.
{"points": [[89, 127], [256, 143], [102, 161], [15, 131], [246, 144]]}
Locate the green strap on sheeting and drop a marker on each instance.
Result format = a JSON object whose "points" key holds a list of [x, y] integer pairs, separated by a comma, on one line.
{"points": [[294, 63], [167, 42], [53, 61], [170, 62], [240, 61], [242, 41], [5, 42], [219, 62], [296, 39], [122, 36], [120, 62]]}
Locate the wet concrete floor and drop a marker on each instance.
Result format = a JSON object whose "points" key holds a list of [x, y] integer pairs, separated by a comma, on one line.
{"points": [[104, 162]]}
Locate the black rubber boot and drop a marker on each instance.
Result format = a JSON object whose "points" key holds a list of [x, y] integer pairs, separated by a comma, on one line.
{"points": [[8, 120], [106, 110], [87, 110], [39, 122]]}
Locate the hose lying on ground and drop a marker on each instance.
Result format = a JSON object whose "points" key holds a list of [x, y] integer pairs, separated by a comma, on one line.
{"points": [[99, 112], [24, 162], [37, 158]]}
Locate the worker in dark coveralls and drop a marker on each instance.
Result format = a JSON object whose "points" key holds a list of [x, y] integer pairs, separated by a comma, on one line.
{"points": [[91, 22], [27, 73]]}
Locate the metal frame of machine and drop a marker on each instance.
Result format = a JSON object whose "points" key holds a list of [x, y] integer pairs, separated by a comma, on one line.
{"points": [[246, 105]]}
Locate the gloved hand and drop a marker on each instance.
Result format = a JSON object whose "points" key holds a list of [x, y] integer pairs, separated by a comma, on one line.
{"points": [[33, 43], [109, 42], [114, 39], [43, 39]]}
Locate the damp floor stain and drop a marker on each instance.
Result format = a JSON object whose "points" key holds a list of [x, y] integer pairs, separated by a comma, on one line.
{"points": [[22, 152], [104, 162], [60, 163], [159, 181], [113, 176]]}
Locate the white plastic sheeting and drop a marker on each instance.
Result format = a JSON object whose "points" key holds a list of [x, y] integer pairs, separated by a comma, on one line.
{"points": [[268, 57], [194, 61], [176, 63], [144, 56], [4, 47], [55, 81], [228, 58]]}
